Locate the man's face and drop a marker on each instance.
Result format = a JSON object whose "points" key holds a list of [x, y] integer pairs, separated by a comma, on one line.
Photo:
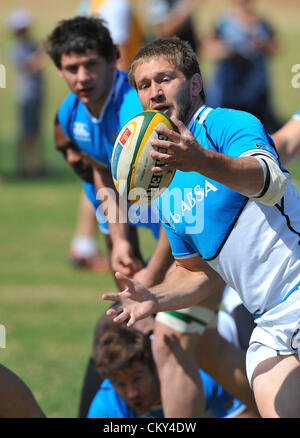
{"points": [[88, 75], [138, 386], [161, 86]]}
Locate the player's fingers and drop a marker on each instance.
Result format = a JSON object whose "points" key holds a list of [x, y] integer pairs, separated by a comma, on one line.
{"points": [[126, 281], [164, 144], [180, 125], [165, 168], [122, 317], [112, 312], [131, 321], [111, 297], [170, 134], [164, 157]]}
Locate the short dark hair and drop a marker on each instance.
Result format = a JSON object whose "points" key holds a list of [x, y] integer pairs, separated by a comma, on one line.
{"points": [[118, 348], [174, 49], [78, 34]]}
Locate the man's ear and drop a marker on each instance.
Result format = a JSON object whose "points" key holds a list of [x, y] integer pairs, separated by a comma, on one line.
{"points": [[60, 73], [196, 84]]}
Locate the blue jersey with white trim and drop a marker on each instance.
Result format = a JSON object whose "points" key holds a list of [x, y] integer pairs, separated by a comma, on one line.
{"points": [[107, 403], [96, 136], [237, 236], [201, 210]]}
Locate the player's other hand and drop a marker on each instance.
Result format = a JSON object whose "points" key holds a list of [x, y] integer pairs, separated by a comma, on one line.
{"points": [[135, 302], [123, 260]]}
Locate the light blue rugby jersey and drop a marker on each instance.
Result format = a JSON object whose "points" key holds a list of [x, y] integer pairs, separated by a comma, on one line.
{"points": [[198, 213], [107, 403], [96, 137]]}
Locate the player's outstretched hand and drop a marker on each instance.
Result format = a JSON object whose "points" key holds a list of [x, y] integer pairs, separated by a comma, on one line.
{"points": [[135, 302], [183, 151]]}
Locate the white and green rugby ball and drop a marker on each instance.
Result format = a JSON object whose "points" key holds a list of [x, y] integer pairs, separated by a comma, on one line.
{"points": [[131, 162]]}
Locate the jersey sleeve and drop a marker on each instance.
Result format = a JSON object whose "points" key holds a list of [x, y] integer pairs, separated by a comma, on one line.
{"points": [[180, 248], [236, 133]]}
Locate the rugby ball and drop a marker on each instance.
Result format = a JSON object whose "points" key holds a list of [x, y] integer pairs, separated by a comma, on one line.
{"points": [[131, 162]]}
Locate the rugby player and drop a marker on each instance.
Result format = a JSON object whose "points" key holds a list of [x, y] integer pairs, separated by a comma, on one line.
{"points": [[247, 234], [131, 387]]}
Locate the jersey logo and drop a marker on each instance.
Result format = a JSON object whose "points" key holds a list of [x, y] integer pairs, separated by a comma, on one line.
{"points": [[261, 146], [81, 131], [125, 136], [191, 199]]}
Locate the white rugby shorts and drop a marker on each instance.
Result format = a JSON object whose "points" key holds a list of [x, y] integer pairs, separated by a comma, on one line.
{"points": [[277, 333]]}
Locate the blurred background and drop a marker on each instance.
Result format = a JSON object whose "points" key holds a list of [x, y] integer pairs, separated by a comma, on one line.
{"points": [[48, 307]]}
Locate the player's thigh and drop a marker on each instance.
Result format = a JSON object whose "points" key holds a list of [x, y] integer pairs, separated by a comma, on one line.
{"points": [[168, 342], [276, 385]]}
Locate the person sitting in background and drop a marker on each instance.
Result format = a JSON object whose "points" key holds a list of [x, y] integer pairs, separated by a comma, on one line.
{"points": [[27, 58], [131, 386]]}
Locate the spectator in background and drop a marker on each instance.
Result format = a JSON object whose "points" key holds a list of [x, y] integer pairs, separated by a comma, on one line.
{"points": [[242, 45], [124, 28], [174, 18], [122, 23], [27, 57], [287, 139]]}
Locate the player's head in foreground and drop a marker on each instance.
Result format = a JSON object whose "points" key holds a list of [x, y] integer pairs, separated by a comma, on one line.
{"points": [[167, 77], [124, 356], [85, 55]]}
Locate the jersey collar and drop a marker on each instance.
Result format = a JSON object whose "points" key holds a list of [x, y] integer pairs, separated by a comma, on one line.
{"points": [[196, 116]]}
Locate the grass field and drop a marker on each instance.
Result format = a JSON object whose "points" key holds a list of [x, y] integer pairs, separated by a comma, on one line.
{"points": [[48, 308]]}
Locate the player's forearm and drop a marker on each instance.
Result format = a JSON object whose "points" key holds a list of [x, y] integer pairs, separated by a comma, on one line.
{"points": [[184, 288], [161, 259], [244, 175]]}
